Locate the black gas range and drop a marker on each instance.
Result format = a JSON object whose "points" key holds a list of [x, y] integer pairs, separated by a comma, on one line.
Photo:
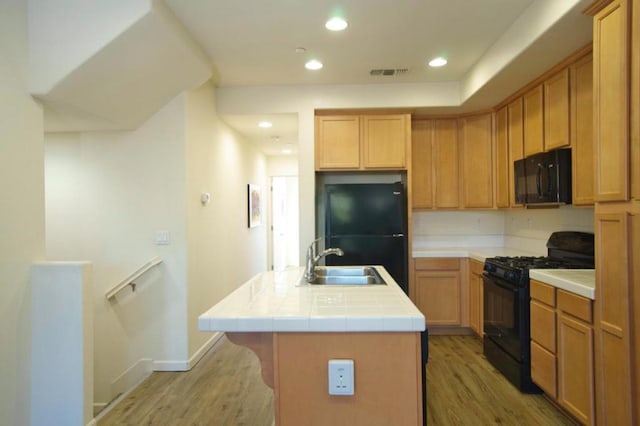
{"points": [[506, 302]]}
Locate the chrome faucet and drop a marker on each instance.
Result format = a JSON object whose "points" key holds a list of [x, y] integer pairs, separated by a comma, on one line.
{"points": [[313, 258]]}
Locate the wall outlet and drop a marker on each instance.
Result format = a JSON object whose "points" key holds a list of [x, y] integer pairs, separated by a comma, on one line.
{"points": [[341, 377]]}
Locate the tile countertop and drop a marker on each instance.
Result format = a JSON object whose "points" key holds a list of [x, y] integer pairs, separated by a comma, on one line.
{"points": [[274, 301], [579, 281], [476, 253]]}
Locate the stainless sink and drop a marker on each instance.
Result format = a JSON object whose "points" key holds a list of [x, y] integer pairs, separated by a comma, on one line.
{"points": [[365, 275]]}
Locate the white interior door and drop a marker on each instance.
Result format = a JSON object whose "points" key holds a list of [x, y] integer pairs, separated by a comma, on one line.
{"points": [[284, 204]]}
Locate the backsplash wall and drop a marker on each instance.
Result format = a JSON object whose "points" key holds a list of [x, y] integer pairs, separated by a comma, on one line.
{"points": [[530, 229], [458, 229], [526, 229]]}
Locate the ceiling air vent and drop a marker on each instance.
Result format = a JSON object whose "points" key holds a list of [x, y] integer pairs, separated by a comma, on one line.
{"points": [[388, 71]]}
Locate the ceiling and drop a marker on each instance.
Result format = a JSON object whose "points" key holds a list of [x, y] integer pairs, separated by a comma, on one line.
{"points": [[253, 43]]}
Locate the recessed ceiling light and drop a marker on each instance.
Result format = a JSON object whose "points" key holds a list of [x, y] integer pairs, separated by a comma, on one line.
{"points": [[286, 151], [265, 124], [437, 62], [313, 65], [336, 24]]}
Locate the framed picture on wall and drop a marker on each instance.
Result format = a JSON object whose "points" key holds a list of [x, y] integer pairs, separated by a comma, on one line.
{"points": [[255, 205]]}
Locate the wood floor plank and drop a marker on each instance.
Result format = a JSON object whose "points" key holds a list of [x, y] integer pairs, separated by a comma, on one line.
{"points": [[226, 388]]}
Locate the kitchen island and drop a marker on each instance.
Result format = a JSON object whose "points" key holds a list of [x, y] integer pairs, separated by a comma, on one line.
{"points": [[295, 329]]}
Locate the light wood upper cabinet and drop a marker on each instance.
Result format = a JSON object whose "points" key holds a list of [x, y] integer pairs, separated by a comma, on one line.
{"points": [[353, 142], [533, 121], [338, 142], [422, 164], [581, 77], [384, 141], [515, 130], [476, 161], [434, 159], [611, 98], [445, 163], [556, 111], [502, 158]]}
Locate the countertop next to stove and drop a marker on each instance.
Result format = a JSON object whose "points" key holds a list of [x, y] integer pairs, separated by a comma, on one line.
{"points": [[476, 253], [579, 281]]}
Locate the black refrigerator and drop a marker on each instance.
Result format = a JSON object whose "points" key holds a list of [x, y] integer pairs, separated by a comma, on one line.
{"points": [[369, 223]]}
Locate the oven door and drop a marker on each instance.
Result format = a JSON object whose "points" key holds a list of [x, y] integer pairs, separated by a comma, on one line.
{"points": [[502, 316]]}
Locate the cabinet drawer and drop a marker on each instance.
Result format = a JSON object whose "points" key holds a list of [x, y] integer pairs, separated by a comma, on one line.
{"points": [[543, 369], [543, 293], [578, 306], [437, 263], [543, 326], [476, 267]]}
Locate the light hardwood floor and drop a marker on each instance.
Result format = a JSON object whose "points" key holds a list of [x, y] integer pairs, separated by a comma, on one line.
{"points": [[226, 389]]}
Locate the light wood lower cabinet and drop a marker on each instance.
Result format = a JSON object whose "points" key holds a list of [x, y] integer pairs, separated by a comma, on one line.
{"points": [[562, 349], [437, 290], [476, 300]]}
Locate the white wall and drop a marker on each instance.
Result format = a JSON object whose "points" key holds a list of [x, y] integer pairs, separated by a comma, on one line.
{"points": [[22, 211], [222, 251], [107, 193], [526, 229], [483, 228], [284, 165], [529, 229]]}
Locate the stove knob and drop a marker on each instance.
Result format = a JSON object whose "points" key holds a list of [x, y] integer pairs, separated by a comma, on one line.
{"points": [[510, 276]]}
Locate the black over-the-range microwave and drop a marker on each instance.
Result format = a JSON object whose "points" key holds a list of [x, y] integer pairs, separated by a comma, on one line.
{"points": [[544, 178]]}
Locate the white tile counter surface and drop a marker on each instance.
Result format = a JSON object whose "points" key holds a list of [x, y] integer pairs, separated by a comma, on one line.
{"points": [[579, 281], [476, 253], [274, 301]]}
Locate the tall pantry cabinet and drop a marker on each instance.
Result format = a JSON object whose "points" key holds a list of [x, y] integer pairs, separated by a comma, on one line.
{"points": [[616, 85]]}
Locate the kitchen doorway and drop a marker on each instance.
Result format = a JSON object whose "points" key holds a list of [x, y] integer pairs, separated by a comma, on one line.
{"points": [[284, 225]]}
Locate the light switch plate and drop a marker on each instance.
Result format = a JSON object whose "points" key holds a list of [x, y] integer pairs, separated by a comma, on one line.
{"points": [[341, 380], [162, 238]]}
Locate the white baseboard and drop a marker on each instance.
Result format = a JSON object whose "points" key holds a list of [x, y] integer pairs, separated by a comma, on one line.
{"points": [[131, 377], [137, 373], [188, 364]]}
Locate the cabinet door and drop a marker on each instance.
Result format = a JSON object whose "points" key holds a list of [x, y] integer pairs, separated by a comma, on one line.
{"points": [[421, 164], [438, 296], [445, 162], [612, 313], [543, 325], [582, 130], [635, 108], [384, 141], [543, 369], [502, 164], [533, 122], [611, 97], [338, 142], [476, 313], [556, 111], [575, 368], [476, 161], [516, 143]]}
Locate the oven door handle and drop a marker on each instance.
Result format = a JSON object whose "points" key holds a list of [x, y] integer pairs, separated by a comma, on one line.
{"points": [[500, 283]]}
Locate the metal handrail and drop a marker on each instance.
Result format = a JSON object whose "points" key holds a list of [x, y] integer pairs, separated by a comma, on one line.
{"points": [[130, 280]]}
